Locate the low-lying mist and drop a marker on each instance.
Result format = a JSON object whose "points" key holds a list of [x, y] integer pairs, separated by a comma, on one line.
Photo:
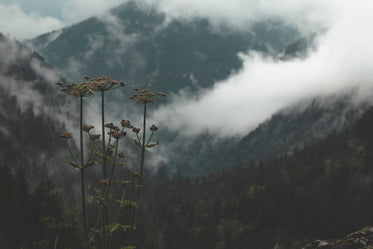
{"points": [[340, 61]]}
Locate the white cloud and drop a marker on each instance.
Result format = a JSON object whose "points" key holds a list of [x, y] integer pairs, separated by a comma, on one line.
{"points": [[77, 10], [305, 14], [343, 59], [23, 20], [17, 23]]}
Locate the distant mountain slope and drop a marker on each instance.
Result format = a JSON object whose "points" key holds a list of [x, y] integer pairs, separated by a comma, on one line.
{"points": [[32, 110], [136, 44], [282, 133], [297, 127], [319, 192]]}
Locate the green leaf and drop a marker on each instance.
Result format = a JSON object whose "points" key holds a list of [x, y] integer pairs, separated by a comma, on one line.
{"points": [[127, 203], [98, 199], [74, 164], [151, 145], [119, 163], [116, 226], [112, 228], [99, 155], [137, 142], [90, 163]]}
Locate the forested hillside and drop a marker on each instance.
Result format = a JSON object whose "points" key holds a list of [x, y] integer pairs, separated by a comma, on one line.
{"points": [[293, 127], [32, 114], [319, 192], [31, 109], [322, 191]]}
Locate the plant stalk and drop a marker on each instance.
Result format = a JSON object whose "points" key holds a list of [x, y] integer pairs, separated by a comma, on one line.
{"points": [[103, 132], [133, 219], [105, 214], [82, 171], [142, 155], [121, 206]]}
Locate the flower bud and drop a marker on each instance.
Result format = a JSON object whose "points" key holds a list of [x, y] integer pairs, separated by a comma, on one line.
{"points": [[153, 128], [124, 183], [66, 135]]}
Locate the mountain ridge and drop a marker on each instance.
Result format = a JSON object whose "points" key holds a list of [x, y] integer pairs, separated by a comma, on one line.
{"points": [[133, 43]]}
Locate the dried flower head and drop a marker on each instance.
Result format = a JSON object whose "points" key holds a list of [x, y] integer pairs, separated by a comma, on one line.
{"points": [[104, 182], [153, 128], [124, 183], [87, 128], [126, 124], [136, 130], [94, 137], [83, 89], [162, 94], [66, 135], [110, 126], [119, 134], [104, 84], [146, 96], [90, 86]]}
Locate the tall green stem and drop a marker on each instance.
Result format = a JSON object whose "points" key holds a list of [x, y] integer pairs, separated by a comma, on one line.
{"points": [[112, 169], [106, 196], [103, 132], [121, 205], [105, 214], [141, 173], [142, 154], [82, 170]]}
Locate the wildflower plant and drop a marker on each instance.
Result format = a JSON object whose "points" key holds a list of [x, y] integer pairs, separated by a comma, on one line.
{"points": [[104, 84], [80, 91], [143, 97], [113, 158], [108, 155]]}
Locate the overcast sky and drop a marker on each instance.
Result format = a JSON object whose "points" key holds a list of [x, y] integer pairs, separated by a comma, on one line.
{"points": [[26, 19]]}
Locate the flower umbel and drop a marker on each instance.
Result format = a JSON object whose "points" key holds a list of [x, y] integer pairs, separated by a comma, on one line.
{"points": [[146, 96], [153, 128], [87, 128], [66, 135]]}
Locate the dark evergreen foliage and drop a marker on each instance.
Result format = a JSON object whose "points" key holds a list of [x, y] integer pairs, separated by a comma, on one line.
{"points": [[321, 191], [32, 217]]}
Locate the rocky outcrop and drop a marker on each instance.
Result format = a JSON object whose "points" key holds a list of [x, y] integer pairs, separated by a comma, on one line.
{"points": [[362, 239]]}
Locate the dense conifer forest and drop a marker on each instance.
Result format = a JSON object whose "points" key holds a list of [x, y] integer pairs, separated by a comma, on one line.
{"points": [[320, 191]]}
